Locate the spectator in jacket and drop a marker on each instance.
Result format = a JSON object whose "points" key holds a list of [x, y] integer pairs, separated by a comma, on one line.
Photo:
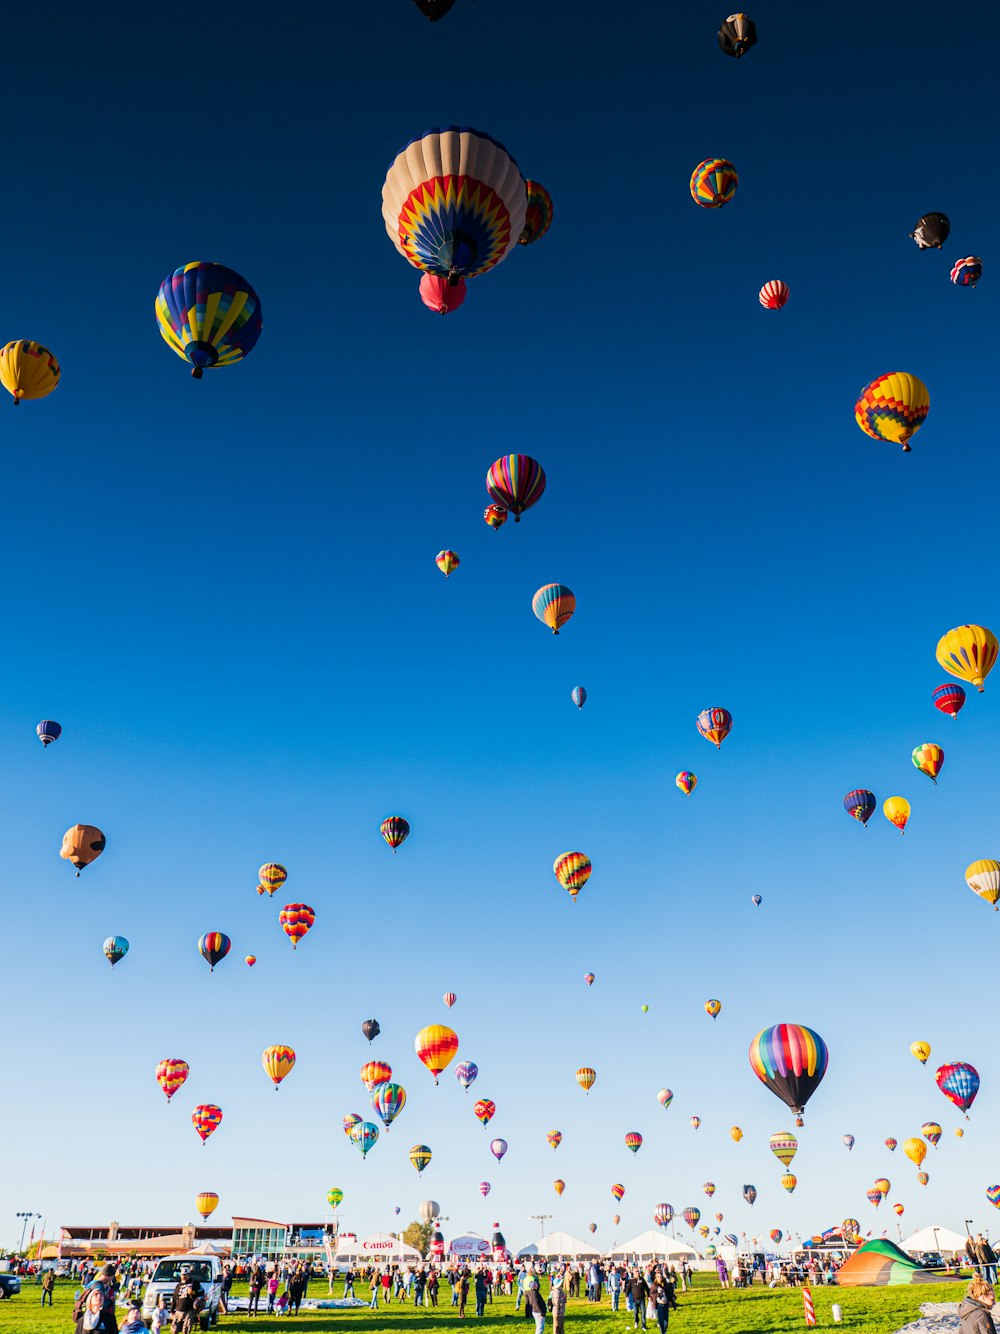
{"points": [[557, 1304], [189, 1302], [480, 1293], [48, 1283], [534, 1303], [974, 1313], [639, 1292], [296, 1290]]}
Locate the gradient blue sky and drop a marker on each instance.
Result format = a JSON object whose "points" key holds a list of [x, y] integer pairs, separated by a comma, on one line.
{"points": [[226, 592]]}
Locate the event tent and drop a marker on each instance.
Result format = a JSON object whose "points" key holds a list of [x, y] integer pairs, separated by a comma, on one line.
{"points": [[935, 1239], [375, 1248], [653, 1243], [562, 1246]]}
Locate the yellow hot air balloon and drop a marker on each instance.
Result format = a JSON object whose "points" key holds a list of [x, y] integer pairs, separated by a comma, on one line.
{"points": [[983, 878], [915, 1150], [789, 1182], [893, 407], [206, 1203], [713, 1007], [28, 370], [897, 812], [968, 652], [558, 1186], [572, 870], [436, 1046], [959, 1132], [735, 1134], [278, 1061], [585, 1077], [921, 1050]]}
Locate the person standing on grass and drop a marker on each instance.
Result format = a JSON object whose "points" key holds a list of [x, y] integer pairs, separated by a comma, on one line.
{"points": [[615, 1286], [638, 1291], [661, 1294], [48, 1283], [557, 1305], [256, 1287], [296, 1290], [463, 1292], [534, 1304], [480, 1292], [432, 1287]]}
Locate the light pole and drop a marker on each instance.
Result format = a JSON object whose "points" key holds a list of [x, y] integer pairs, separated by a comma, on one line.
{"points": [[542, 1219], [25, 1214]]}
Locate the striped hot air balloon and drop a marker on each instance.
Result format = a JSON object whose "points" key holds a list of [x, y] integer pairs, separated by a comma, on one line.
{"points": [[538, 217], [860, 803], [516, 481], [713, 182], [554, 605], [395, 830], [206, 1119], [791, 1061], [949, 699], [554, 1138], [967, 272], [171, 1074], [784, 1146], [213, 947], [47, 731], [388, 1100], [420, 1156], [633, 1141], [436, 1046], [893, 408], [296, 919], [773, 295], [447, 561], [572, 870], [209, 315], [374, 1073], [278, 1061], [206, 1203], [270, 877], [585, 1077]]}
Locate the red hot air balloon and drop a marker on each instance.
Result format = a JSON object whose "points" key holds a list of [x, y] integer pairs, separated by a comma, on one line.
{"points": [[441, 295], [959, 1082], [485, 1110], [296, 919], [773, 295], [495, 516], [633, 1141], [206, 1119], [171, 1074], [949, 699], [449, 998]]}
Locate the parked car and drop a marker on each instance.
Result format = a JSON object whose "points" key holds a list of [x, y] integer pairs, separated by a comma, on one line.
{"points": [[207, 1269], [10, 1285], [931, 1260]]}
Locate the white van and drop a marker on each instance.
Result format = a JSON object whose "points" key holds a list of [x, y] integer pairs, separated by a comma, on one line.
{"points": [[207, 1269]]}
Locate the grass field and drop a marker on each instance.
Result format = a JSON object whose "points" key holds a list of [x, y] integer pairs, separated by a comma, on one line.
{"points": [[705, 1310]]}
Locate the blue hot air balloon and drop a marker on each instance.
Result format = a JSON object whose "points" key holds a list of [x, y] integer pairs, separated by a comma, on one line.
{"points": [[208, 314], [48, 730], [115, 948], [465, 1073], [579, 696], [861, 804], [756, 900]]}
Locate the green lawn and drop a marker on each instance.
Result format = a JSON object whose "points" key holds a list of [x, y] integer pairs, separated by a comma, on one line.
{"points": [[706, 1310]]}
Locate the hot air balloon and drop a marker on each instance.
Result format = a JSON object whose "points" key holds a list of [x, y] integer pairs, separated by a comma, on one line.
{"points": [[454, 202], [898, 1209], [931, 1132], [949, 699], [616, 1219], [278, 1061], [579, 696], [633, 1141], [983, 878], [349, 1122], [206, 1119], [687, 782], [732, 1238], [115, 948], [789, 1182], [709, 1188], [713, 1007], [429, 1210], [553, 604], [890, 1144], [465, 1073], [374, 1073], [82, 844], [931, 230], [773, 295], [363, 1137], [618, 1191], [784, 1146], [968, 652], [296, 919], [250, 960], [916, 1150], [691, 1216], [370, 1029], [334, 1197], [498, 1148], [48, 731], [662, 1214], [874, 1196], [171, 1074], [735, 1134], [440, 295], [485, 1110], [591, 1227], [928, 758], [446, 561], [713, 182], [776, 1234], [959, 1082], [554, 1138], [436, 1046], [967, 272], [213, 948], [861, 804], [893, 408], [714, 725], [695, 1122], [495, 516], [516, 482], [484, 1188], [849, 1228], [449, 998], [921, 1050], [665, 1097], [585, 1077], [959, 1132], [737, 35], [923, 1178], [704, 1231], [572, 870], [206, 1203], [791, 1060], [589, 978], [993, 1195], [538, 216], [750, 1194], [388, 1100], [208, 314], [849, 1141], [395, 830], [756, 900], [558, 1186], [645, 1009], [28, 370], [270, 877], [897, 811]]}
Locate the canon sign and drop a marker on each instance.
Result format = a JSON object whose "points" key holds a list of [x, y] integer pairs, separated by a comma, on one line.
{"points": [[377, 1245]]}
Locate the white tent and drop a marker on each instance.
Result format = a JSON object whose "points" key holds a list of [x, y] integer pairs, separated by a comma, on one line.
{"points": [[375, 1248], [935, 1239], [560, 1245], [653, 1243]]}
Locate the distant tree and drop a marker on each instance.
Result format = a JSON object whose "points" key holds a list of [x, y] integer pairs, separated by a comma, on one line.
{"points": [[419, 1235]]}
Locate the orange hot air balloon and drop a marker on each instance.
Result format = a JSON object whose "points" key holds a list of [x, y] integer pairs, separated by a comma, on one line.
{"points": [[585, 1077], [278, 1061], [558, 1186], [171, 1074], [206, 1203], [374, 1073], [82, 844], [436, 1046], [916, 1150], [296, 919], [250, 960]]}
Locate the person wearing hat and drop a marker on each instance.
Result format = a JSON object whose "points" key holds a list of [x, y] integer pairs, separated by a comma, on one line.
{"points": [[189, 1301], [557, 1304]]}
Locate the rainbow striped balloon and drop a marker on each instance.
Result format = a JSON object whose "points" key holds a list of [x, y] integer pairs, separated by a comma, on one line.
{"points": [[516, 481], [791, 1060], [714, 182]]}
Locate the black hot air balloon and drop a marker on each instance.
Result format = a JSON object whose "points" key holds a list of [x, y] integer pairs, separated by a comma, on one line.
{"points": [[737, 35], [371, 1029], [434, 9], [931, 231]]}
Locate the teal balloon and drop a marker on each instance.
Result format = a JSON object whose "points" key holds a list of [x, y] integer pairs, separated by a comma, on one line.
{"points": [[115, 948]]}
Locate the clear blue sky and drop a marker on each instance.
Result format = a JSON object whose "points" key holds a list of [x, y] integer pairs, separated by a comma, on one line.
{"points": [[226, 592]]}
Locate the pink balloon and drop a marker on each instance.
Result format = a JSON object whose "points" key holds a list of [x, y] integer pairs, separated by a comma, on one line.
{"points": [[439, 295]]}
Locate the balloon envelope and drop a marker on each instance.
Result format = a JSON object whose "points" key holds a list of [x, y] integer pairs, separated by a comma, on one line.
{"points": [[791, 1060], [208, 314], [968, 652], [893, 408]]}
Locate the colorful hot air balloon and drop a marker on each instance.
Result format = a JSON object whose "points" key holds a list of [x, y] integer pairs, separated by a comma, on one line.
{"points": [[465, 1073], [296, 919], [756, 900], [949, 699], [789, 1182], [82, 844], [931, 231], [713, 182], [334, 1197], [558, 1186], [662, 1214], [890, 1144], [171, 1074], [349, 1122], [691, 1216], [554, 1138], [849, 1141], [967, 272], [484, 1188], [931, 1132], [983, 878], [968, 652], [364, 1136], [278, 1061], [735, 1134], [750, 1194], [959, 1082], [206, 1203], [553, 604], [446, 561], [449, 998], [633, 1141], [687, 782], [206, 1119], [860, 804], [585, 1077], [250, 960], [388, 1100], [440, 295], [883, 1184], [849, 1228], [898, 1209], [713, 1007], [893, 408], [454, 202], [395, 830], [495, 516], [714, 725], [591, 1227], [208, 314], [48, 730], [737, 34], [516, 482], [579, 696], [709, 1188], [923, 1178], [921, 1050], [874, 1196], [791, 1060], [784, 1146], [485, 1110], [374, 1073], [538, 216], [993, 1195], [115, 948], [776, 1234], [695, 1122], [28, 370], [498, 1147], [213, 948], [928, 758], [773, 295], [915, 1149], [572, 870], [618, 1191], [370, 1029], [897, 811], [665, 1097], [271, 877], [436, 1046], [589, 978]]}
